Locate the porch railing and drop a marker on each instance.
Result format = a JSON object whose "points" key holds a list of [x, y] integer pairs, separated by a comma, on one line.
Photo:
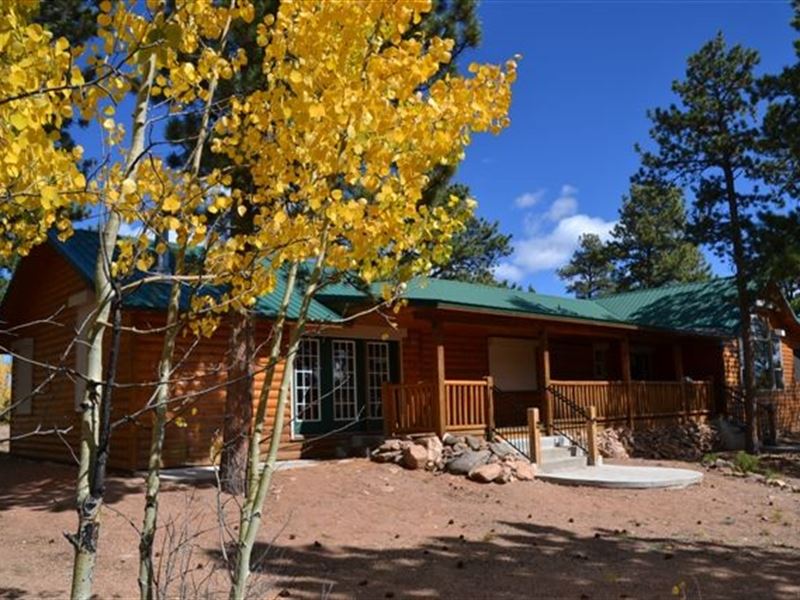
{"points": [[409, 408], [777, 411], [437, 407], [620, 401], [468, 404]]}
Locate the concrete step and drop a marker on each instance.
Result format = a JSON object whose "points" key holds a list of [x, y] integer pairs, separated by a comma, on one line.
{"points": [[554, 441], [563, 464], [559, 453]]}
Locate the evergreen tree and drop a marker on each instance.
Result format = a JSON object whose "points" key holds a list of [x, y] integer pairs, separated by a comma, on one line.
{"points": [[710, 143], [649, 244], [477, 250], [588, 273], [778, 235]]}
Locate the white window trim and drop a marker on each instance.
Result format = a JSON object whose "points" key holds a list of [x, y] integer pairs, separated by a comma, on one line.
{"points": [[335, 389], [388, 373], [318, 372]]}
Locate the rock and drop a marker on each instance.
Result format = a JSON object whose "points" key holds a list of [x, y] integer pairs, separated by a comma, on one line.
{"points": [[501, 449], [780, 483], [523, 470], [385, 457], [449, 439], [434, 447], [390, 446], [473, 442], [505, 475], [464, 463], [415, 457], [486, 473]]}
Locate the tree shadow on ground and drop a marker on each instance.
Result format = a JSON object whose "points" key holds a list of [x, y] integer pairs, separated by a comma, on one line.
{"points": [[524, 560], [50, 486]]}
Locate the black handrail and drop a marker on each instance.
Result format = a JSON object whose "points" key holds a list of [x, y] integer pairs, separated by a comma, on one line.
{"points": [[735, 408], [577, 413]]}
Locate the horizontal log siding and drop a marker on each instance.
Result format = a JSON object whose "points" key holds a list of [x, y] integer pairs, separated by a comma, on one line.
{"points": [[203, 375], [35, 297]]}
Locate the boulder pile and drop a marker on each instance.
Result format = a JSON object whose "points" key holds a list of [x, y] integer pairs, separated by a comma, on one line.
{"points": [[472, 456], [688, 441]]}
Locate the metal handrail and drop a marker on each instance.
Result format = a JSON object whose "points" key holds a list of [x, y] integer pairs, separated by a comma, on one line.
{"points": [[574, 408]]}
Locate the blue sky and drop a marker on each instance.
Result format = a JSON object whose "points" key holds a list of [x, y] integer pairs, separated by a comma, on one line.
{"points": [[590, 70]]}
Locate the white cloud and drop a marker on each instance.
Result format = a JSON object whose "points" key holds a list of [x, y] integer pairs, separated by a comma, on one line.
{"points": [[529, 199], [505, 271], [554, 249], [569, 190], [551, 236], [562, 207]]}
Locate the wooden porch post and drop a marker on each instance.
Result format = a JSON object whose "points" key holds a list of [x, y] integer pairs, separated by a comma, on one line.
{"points": [[625, 358], [534, 436], [489, 408], [677, 354], [591, 438], [544, 344], [440, 407]]}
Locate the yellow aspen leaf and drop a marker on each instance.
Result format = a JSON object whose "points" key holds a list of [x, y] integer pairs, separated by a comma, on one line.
{"points": [[128, 186]]}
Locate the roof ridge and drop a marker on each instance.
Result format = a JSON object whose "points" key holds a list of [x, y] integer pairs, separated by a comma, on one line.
{"points": [[504, 288]]}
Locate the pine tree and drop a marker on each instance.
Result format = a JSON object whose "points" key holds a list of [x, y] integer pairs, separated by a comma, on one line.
{"points": [[588, 273], [778, 234], [649, 243], [709, 142], [477, 249]]}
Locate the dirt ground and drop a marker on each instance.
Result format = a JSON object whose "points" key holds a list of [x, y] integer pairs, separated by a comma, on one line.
{"points": [[353, 529]]}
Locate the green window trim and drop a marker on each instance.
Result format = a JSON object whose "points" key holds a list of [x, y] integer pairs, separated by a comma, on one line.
{"points": [[344, 403]]}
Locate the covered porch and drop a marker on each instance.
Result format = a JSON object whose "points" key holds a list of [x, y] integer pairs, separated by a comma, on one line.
{"points": [[485, 379]]}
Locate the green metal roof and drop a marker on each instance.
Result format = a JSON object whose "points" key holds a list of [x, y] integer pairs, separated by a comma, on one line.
{"points": [[459, 293], [81, 249], [704, 308]]}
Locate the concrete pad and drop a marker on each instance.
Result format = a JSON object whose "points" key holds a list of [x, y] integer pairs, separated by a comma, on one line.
{"points": [[626, 477]]}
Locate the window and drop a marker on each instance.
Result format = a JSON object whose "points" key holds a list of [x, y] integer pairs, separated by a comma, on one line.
{"points": [[641, 363], [378, 371], [306, 381], [345, 399], [22, 376], [600, 361], [768, 362]]}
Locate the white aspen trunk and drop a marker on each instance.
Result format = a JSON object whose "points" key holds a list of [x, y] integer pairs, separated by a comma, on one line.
{"points": [[162, 395], [261, 477], [85, 541], [153, 481]]}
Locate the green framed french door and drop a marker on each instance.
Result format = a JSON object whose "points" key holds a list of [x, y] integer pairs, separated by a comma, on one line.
{"points": [[336, 384]]}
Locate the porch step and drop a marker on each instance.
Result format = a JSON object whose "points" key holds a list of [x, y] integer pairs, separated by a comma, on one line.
{"points": [[563, 464], [554, 441], [560, 456]]}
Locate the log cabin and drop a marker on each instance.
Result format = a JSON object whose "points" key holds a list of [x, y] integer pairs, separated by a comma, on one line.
{"points": [[456, 357]]}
